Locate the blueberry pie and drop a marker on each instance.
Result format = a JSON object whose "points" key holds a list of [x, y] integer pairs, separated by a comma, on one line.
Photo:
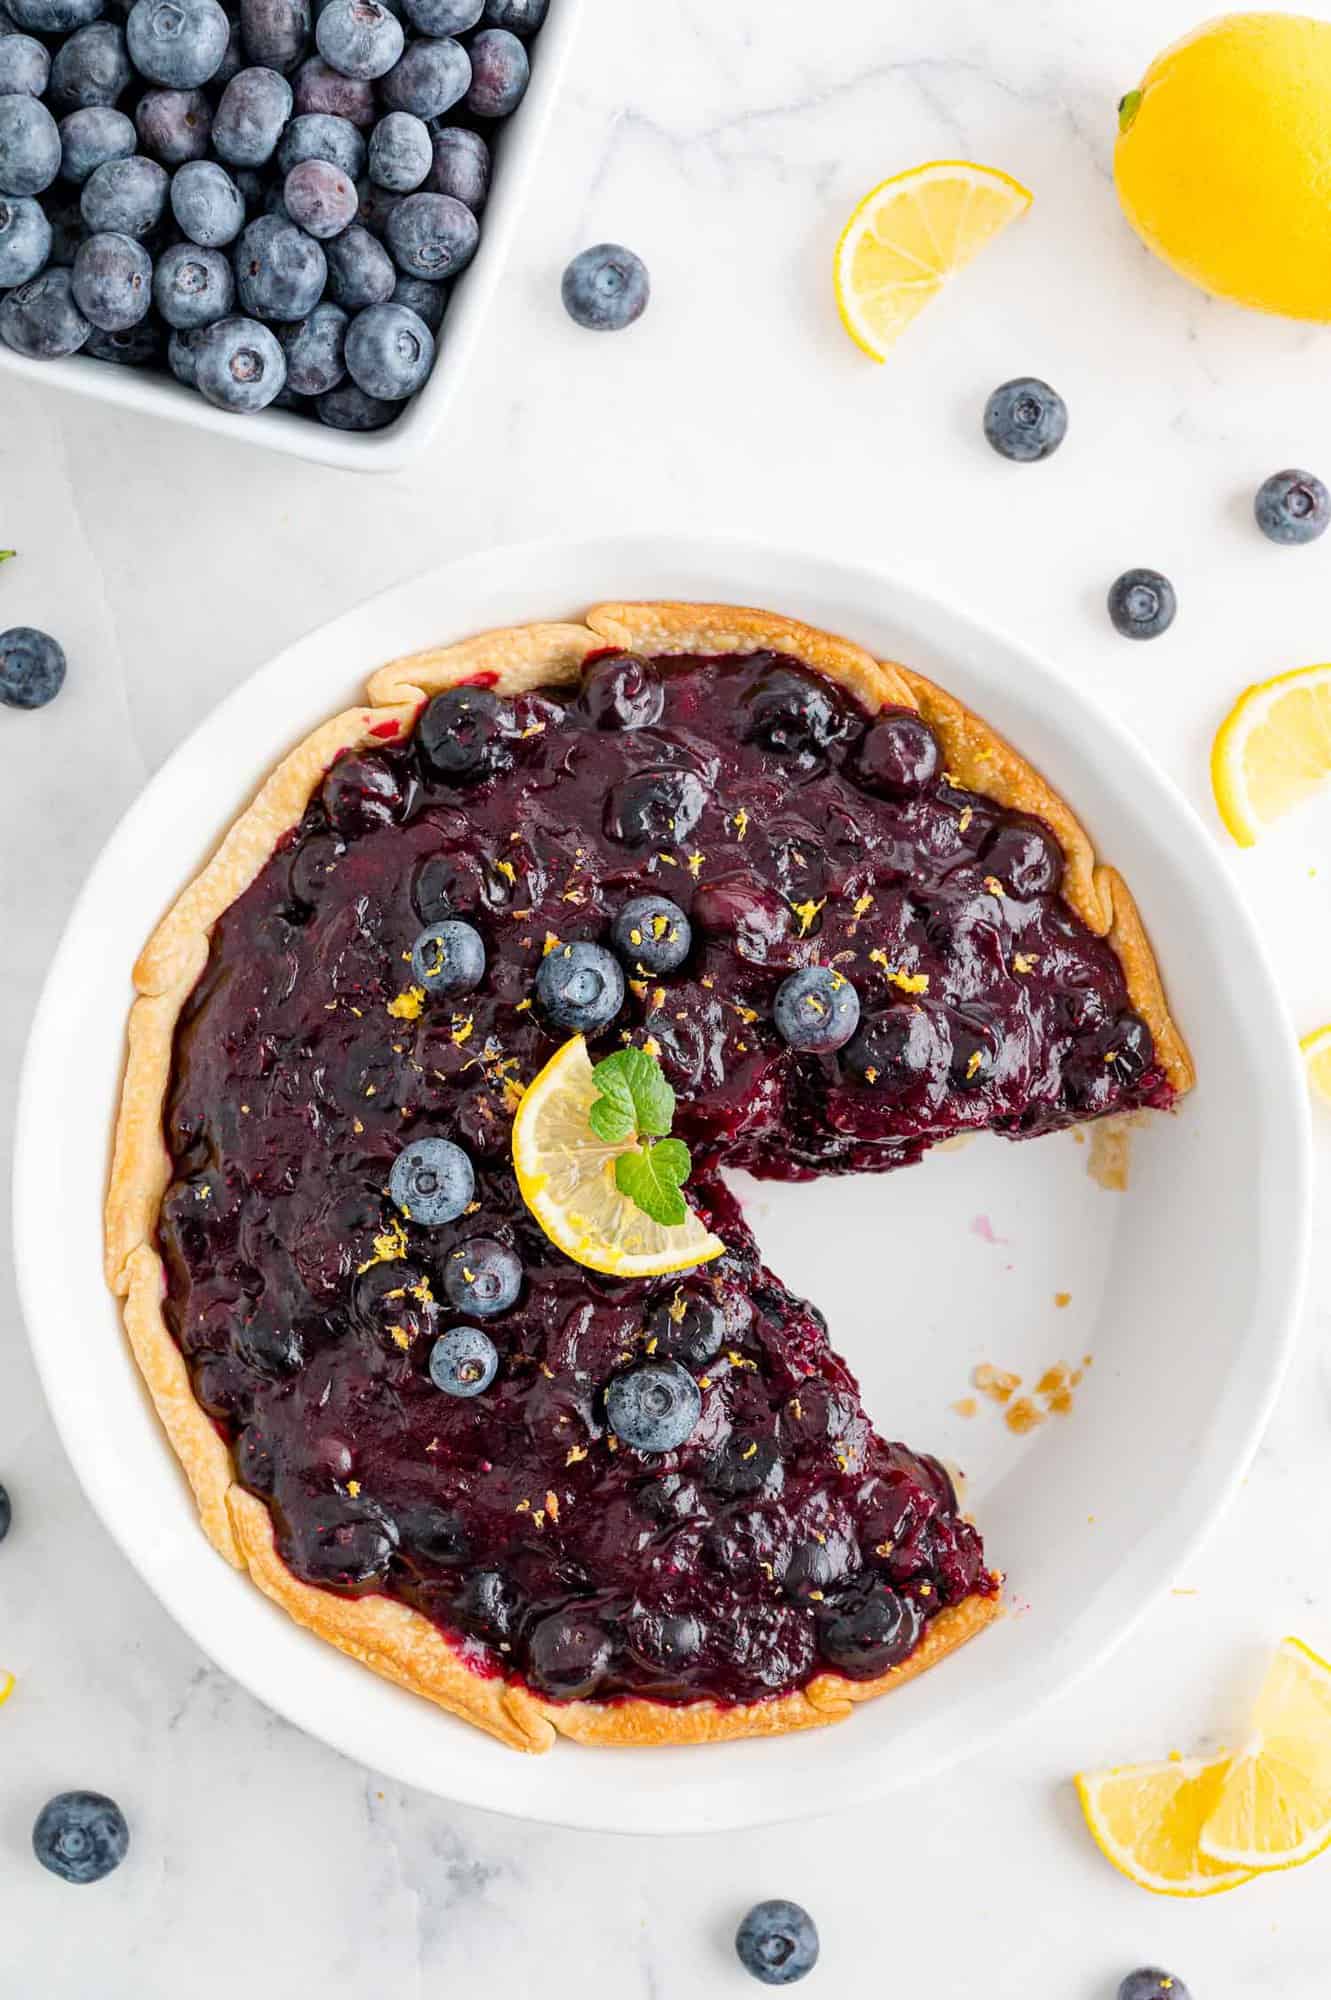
{"points": [[823, 918]]}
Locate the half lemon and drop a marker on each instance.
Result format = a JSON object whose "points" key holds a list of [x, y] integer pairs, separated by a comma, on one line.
{"points": [[566, 1176], [1273, 750], [907, 238]]}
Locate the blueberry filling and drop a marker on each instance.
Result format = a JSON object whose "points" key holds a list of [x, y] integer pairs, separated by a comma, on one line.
{"points": [[343, 1207]]}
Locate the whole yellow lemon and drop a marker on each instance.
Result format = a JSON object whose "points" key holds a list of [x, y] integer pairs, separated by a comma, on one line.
{"points": [[1223, 161]]}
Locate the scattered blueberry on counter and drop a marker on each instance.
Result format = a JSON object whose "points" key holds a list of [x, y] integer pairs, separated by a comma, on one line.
{"points": [[298, 182], [1291, 507], [1149, 1983], [32, 668], [606, 288], [6, 1512], [777, 1942], [1142, 603], [1025, 419], [81, 1836]]}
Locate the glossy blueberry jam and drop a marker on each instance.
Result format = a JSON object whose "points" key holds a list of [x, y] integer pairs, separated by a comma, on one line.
{"points": [[784, 1537]]}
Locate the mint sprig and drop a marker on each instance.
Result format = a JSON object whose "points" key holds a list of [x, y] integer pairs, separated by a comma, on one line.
{"points": [[636, 1102]]}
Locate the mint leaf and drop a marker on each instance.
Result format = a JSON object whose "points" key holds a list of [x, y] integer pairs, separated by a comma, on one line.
{"points": [[611, 1121], [5, 554], [635, 1084], [651, 1177]]}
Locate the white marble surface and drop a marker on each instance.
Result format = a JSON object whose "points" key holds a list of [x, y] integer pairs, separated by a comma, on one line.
{"points": [[726, 142]]}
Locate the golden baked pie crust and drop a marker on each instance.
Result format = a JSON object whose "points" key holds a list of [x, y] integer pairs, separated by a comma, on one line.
{"points": [[384, 1634]]}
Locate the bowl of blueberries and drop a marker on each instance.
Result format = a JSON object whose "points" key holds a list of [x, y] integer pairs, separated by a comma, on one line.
{"points": [[288, 211]]}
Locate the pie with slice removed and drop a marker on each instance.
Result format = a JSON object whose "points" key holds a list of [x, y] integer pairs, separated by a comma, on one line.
{"points": [[356, 976]]}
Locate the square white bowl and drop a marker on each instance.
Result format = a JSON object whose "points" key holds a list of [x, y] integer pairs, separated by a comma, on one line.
{"points": [[160, 395]]}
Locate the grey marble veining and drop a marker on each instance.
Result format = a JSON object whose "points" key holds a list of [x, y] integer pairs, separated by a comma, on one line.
{"points": [[726, 143]]}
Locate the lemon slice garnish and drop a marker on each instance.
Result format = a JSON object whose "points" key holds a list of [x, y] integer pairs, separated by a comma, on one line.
{"points": [[907, 238], [566, 1176], [1147, 1819], [1273, 750], [1317, 1055], [1274, 1804]]}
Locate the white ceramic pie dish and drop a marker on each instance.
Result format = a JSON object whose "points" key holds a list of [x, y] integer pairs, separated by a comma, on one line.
{"points": [[147, 393], [1184, 1289]]}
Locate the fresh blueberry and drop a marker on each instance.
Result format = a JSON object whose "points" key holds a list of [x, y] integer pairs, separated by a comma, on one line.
{"points": [[499, 74], [180, 43], [360, 270], [41, 320], [449, 957], [390, 351], [1025, 419], [1150, 1983], [431, 235], [53, 17], [80, 1836], [483, 1276], [1142, 604], [653, 1408], [238, 365], [359, 38], [126, 196], [323, 91], [465, 735], [30, 147], [112, 281], [348, 408], [620, 691], [652, 934], [181, 359], [898, 756], [429, 78], [376, 205], [817, 1010], [777, 1942], [463, 1361], [280, 271], [32, 667], [276, 32], [6, 1513], [234, 59], [605, 288], [401, 154], [443, 17], [25, 240], [580, 987], [317, 136], [25, 66], [207, 204], [432, 1182], [460, 165], [133, 347], [520, 17], [173, 125], [92, 67], [249, 118], [654, 808], [314, 350], [867, 1628], [423, 298], [319, 198], [1292, 507], [89, 139], [192, 287]]}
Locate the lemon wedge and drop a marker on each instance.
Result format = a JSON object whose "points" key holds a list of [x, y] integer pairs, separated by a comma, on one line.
{"points": [[1317, 1054], [908, 236], [1147, 1819], [1273, 1807], [7, 1686], [566, 1176], [1273, 750]]}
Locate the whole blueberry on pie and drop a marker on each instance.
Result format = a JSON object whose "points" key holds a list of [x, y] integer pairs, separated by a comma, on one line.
{"points": [[419, 1207]]}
